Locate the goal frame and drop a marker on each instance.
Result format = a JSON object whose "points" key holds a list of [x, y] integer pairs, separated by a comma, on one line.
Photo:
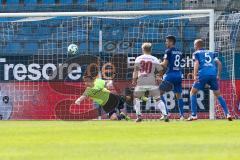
{"points": [[207, 12]]}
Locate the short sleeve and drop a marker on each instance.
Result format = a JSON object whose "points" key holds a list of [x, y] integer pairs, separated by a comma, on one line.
{"points": [[136, 63], [167, 55], [86, 92]]}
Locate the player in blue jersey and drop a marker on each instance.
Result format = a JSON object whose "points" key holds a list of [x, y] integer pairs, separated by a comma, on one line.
{"points": [[206, 73], [172, 80]]}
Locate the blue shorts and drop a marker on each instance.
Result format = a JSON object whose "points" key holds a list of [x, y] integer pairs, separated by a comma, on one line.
{"points": [[206, 80], [176, 80]]}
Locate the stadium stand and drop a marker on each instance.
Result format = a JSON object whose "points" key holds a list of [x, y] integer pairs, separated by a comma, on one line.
{"points": [[41, 33]]}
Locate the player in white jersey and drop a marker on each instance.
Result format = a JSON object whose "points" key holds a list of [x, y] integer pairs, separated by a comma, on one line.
{"points": [[144, 78]]}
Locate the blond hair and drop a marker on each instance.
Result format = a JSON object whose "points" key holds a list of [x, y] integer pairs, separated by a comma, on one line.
{"points": [[147, 47], [198, 42]]}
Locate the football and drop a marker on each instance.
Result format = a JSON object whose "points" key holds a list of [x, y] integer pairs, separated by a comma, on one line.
{"points": [[73, 49]]}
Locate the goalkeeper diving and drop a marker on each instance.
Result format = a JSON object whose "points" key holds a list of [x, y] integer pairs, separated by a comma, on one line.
{"points": [[97, 91]]}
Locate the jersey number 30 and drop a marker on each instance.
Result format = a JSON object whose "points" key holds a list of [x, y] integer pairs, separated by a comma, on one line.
{"points": [[146, 66]]}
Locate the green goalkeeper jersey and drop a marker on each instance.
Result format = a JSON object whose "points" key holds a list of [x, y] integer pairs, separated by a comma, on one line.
{"points": [[98, 93]]}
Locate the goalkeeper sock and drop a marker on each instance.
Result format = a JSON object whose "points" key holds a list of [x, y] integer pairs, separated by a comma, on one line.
{"points": [[160, 105], [137, 106], [223, 105], [180, 106], [194, 104]]}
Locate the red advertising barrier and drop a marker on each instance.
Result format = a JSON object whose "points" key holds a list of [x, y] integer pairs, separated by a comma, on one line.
{"points": [[55, 100], [43, 100]]}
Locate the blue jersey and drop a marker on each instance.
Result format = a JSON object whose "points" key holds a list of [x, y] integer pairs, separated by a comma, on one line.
{"points": [[174, 70], [207, 65], [174, 57]]}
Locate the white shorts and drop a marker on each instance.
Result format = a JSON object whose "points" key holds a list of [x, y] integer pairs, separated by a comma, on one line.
{"points": [[140, 91]]}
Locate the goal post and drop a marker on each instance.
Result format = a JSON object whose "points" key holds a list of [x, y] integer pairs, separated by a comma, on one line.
{"points": [[43, 73]]}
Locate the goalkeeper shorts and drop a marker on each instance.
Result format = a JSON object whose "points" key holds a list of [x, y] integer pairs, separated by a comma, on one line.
{"points": [[114, 102]]}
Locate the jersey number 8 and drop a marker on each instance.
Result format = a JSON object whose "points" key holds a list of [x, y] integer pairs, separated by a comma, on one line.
{"points": [[177, 61]]}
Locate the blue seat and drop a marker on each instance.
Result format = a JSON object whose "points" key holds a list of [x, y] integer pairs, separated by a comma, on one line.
{"points": [[12, 2], [151, 33], [66, 2], [82, 1], [101, 1], [25, 30], [170, 31], [13, 47], [82, 47], [159, 47], [43, 30], [119, 1], [30, 2], [30, 46], [50, 46], [189, 33], [132, 32], [136, 5], [137, 1], [179, 45], [137, 47], [48, 1]]}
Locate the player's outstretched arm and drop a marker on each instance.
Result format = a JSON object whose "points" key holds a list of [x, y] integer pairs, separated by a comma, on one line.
{"points": [[80, 99], [219, 64]]}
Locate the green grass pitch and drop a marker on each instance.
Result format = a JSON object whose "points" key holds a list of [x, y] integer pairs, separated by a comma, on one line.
{"points": [[103, 140]]}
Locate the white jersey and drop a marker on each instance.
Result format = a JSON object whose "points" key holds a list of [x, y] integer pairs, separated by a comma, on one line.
{"points": [[148, 65]]}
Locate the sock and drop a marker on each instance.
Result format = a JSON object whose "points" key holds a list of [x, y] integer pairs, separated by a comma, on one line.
{"points": [[223, 105], [160, 105], [194, 105], [180, 106], [137, 106], [163, 99]]}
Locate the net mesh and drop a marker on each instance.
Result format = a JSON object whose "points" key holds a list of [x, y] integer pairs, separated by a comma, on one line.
{"points": [[42, 80]]}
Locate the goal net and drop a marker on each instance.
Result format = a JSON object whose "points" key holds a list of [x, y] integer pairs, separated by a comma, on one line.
{"points": [[41, 80]]}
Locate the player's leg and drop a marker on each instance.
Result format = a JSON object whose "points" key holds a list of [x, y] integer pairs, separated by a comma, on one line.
{"points": [[178, 94], [198, 85], [164, 101], [120, 107], [138, 93], [113, 107], [164, 87], [193, 104], [137, 107], [180, 105], [155, 92], [223, 104], [214, 86]]}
